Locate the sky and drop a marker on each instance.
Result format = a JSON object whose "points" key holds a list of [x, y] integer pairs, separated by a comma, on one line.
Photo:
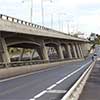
{"points": [[63, 15]]}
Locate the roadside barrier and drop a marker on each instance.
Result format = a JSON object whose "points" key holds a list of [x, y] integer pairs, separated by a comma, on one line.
{"points": [[75, 91]]}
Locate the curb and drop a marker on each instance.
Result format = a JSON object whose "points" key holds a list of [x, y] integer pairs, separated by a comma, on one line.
{"points": [[76, 89]]}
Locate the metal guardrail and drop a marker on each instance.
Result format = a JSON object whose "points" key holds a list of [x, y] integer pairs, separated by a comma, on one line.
{"points": [[75, 91]]}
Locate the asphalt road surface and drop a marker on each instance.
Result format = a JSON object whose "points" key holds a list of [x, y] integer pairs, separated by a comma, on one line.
{"points": [[48, 84]]}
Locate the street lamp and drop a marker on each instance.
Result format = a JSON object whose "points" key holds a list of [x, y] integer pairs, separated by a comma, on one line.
{"points": [[60, 20], [51, 20], [31, 14], [68, 25], [31, 10], [42, 11]]}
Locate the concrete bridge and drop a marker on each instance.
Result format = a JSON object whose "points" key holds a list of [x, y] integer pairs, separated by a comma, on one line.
{"points": [[21, 34]]}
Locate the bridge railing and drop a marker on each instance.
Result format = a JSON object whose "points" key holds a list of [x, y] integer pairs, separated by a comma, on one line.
{"points": [[15, 20], [18, 21]]}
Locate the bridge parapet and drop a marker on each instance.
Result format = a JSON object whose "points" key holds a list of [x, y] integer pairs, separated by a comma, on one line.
{"points": [[18, 21], [39, 27], [15, 20]]}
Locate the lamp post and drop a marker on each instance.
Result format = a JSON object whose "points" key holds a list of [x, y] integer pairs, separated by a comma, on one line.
{"points": [[68, 25], [31, 10], [31, 14], [60, 20], [51, 20], [42, 11]]}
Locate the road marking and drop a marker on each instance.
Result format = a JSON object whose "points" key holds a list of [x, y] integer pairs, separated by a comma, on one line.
{"points": [[52, 86], [61, 80], [56, 91], [40, 94]]}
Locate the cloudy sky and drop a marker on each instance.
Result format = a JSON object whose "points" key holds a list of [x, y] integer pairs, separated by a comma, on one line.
{"points": [[75, 15]]}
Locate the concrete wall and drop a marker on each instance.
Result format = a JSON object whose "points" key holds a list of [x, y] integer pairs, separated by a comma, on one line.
{"points": [[14, 71]]}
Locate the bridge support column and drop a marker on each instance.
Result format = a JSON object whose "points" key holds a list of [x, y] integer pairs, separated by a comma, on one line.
{"points": [[45, 52], [60, 52], [69, 51], [4, 55], [33, 52], [21, 55], [74, 50], [81, 51], [78, 50]]}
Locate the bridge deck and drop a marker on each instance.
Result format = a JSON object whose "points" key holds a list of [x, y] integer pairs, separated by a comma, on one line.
{"points": [[91, 90]]}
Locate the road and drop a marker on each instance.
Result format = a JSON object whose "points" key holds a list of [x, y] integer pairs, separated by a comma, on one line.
{"points": [[48, 84]]}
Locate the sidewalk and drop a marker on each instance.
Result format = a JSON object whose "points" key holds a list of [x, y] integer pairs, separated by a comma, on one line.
{"points": [[91, 90]]}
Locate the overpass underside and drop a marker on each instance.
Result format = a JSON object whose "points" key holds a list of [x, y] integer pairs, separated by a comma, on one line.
{"points": [[21, 40], [21, 47]]}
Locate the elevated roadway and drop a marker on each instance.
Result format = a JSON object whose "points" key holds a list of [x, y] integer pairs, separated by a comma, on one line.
{"points": [[16, 33], [11, 24]]}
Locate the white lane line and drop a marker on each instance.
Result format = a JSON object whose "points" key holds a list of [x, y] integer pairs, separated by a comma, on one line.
{"points": [[40, 94], [32, 99], [52, 86], [56, 91], [71, 73], [60, 81]]}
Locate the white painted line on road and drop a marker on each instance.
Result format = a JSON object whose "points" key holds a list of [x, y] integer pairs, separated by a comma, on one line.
{"points": [[40, 94], [32, 99], [56, 91], [72, 73], [52, 86], [60, 81]]}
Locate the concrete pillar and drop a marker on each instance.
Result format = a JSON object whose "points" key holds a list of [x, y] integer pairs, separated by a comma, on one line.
{"points": [[60, 52], [22, 53], [69, 51], [45, 52], [74, 50], [78, 50], [4, 55], [33, 52], [81, 51]]}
